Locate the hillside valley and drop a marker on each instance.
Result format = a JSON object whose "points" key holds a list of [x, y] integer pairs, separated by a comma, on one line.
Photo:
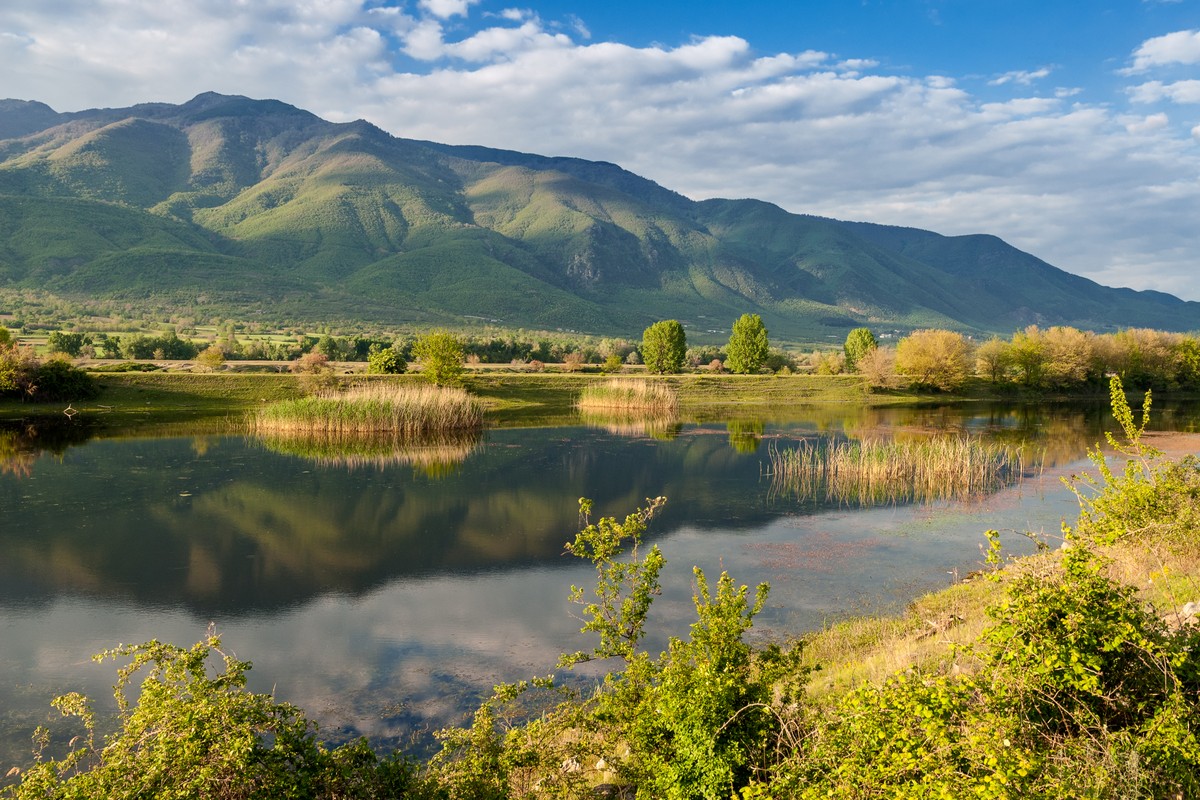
{"points": [[263, 210]]}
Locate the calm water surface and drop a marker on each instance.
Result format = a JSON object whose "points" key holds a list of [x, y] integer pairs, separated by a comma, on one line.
{"points": [[385, 596]]}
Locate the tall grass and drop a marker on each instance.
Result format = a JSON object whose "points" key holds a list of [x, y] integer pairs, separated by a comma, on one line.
{"points": [[877, 471], [629, 395], [372, 409]]}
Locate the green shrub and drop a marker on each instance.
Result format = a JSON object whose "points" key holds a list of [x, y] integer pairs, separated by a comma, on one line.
{"points": [[192, 735]]}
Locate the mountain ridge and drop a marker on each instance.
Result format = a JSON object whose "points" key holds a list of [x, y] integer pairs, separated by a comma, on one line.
{"points": [[229, 197]]}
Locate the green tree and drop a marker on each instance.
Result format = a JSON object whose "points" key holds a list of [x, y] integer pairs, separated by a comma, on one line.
{"points": [[664, 346], [748, 347], [993, 359], [211, 357], [859, 342], [385, 361], [1028, 353], [69, 343], [934, 357], [5, 336], [441, 357]]}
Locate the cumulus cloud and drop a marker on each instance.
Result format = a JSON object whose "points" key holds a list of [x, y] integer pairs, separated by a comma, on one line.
{"points": [[445, 9], [1086, 186], [1180, 47], [1178, 92]]}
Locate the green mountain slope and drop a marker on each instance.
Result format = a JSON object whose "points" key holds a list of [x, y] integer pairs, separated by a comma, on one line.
{"points": [[273, 209]]}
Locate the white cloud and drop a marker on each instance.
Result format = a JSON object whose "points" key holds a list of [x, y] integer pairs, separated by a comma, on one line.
{"points": [[1180, 47], [1022, 77], [444, 9], [1154, 122], [1178, 92], [1084, 186]]}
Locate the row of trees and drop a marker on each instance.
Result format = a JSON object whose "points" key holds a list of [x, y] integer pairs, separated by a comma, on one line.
{"points": [[665, 350], [1056, 358]]}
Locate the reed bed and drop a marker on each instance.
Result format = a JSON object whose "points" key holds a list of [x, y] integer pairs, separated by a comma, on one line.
{"points": [[875, 472], [630, 396], [372, 409], [433, 454]]}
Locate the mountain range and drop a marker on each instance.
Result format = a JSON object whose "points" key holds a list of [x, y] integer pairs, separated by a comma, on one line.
{"points": [[275, 213]]}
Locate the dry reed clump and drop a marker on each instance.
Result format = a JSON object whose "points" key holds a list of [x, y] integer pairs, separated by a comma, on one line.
{"points": [[630, 396], [876, 471], [373, 409]]}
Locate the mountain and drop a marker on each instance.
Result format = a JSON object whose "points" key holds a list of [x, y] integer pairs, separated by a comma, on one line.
{"points": [[273, 212]]}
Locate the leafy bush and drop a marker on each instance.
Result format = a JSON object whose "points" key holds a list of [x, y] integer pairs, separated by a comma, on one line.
{"points": [[192, 735], [55, 379]]}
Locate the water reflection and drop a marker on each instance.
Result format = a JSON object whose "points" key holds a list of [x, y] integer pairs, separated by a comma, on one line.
{"points": [[380, 599], [435, 454], [632, 424]]}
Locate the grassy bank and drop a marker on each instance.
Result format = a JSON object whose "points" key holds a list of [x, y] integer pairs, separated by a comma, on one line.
{"points": [[507, 397]]}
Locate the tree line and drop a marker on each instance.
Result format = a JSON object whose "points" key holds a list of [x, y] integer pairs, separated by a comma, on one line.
{"points": [[1059, 358]]}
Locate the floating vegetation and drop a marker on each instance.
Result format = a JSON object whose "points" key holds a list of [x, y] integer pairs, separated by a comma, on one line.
{"points": [[875, 472], [630, 395], [372, 409], [435, 454]]}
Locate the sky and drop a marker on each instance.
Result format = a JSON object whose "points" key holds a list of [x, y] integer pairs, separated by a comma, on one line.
{"points": [[1070, 129]]}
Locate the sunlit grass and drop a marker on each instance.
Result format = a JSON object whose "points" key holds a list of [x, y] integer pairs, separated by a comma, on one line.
{"points": [[372, 409], [627, 395], [877, 471]]}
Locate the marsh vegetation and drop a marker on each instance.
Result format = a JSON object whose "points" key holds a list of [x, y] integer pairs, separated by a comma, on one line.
{"points": [[630, 396], [880, 471], [371, 409]]}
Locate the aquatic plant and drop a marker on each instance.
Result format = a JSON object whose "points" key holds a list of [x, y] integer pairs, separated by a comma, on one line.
{"points": [[630, 395], [879, 471], [372, 409]]}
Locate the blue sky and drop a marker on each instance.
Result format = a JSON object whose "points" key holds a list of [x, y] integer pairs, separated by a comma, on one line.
{"points": [[1070, 129]]}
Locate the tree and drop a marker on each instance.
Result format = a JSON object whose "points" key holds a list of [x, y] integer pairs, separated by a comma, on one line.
{"points": [[934, 357], [441, 357], [748, 346], [1070, 354], [859, 342], [69, 343], [664, 346], [5, 336], [993, 359], [878, 367], [385, 361], [1028, 352], [211, 357]]}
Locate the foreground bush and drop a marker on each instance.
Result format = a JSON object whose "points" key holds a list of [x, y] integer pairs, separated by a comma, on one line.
{"points": [[192, 735]]}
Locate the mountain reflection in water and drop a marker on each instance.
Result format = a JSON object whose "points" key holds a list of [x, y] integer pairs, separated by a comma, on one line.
{"points": [[384, 591]]}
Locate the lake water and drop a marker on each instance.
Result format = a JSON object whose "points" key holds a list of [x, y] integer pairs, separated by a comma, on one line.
{"points": [[385, 595]]}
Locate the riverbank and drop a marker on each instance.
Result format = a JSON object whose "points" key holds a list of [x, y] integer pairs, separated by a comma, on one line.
{"points": [[509, 397]]}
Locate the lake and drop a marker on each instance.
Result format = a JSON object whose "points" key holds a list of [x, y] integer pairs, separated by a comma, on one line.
{"points": [[384, 594]]}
